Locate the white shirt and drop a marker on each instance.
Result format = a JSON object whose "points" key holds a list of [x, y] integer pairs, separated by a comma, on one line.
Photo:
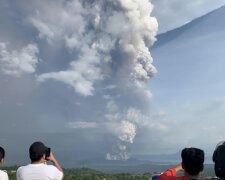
{"points": [[38, 172], [3, 175]]}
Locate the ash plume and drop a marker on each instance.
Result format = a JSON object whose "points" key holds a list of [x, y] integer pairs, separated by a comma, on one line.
{"points": [[108, 60]]}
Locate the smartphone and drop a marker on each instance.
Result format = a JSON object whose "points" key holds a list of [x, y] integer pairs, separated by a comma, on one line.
{"points": [[47, 152]]}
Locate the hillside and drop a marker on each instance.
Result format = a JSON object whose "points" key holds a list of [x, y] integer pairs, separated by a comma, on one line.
{"points": [[91, 174], [195, 28], [191, 58]]}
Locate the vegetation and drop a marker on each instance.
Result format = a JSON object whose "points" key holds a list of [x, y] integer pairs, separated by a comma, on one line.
{"points": [[90, 174]]}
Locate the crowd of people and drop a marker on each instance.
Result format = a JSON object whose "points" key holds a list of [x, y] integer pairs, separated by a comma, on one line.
{"points": [[192, 164]]}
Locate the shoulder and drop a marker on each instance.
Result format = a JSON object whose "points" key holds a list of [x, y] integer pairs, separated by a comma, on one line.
{"points": [[21, 168], [3, 175], [173, 178], [51, 167], [169, 172], [2, 172], [54, 171], [19, 171]]}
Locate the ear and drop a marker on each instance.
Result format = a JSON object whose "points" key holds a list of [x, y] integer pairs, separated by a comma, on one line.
{"points": [[43, 157], [183, 166], [2, 161]]}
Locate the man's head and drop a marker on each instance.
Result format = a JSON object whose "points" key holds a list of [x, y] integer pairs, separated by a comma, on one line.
{"points": [[192, 160], [37, 151], [2, 154], [219, 160]]}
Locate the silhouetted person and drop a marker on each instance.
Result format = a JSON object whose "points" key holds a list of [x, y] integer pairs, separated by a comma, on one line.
{"points": [[191, 165], [3, 174], [38, 169], [219, 160]]}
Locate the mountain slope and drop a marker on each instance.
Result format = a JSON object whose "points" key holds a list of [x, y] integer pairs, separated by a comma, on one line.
{"points": [[192, 56], [196, 24]]}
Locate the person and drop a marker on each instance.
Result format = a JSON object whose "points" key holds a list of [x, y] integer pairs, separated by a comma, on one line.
{"points": [[192, 164], [39, 169], [219, 160], [3, 174]]}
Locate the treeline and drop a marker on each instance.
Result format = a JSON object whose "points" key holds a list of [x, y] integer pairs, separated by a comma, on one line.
{"points": [[89, 174]]}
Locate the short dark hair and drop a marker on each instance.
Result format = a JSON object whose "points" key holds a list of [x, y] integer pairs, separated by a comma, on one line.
{"points": [[219, 160], [192, 160], [2, 153], [37, 150]]}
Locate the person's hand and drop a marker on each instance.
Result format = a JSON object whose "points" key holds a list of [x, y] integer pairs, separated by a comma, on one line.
{"points": [[179, 167], [51, 158], [54, 162]]}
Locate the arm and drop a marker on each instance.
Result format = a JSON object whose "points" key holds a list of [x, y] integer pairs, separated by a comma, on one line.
{"points": [[170, 174], [5, 176], [178, 168], [54, 162], [173, 171], [18, 173]]}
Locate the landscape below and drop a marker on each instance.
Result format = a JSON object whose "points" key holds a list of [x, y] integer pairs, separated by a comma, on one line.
{"points": [[129, 173]]}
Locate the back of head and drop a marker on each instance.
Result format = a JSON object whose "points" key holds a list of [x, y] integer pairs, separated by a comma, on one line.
{"points": [[36, 151], [192, 160], [219, 160], [2, 154]]}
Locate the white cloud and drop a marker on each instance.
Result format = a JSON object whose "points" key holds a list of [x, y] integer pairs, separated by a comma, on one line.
{"points": [[81, 76], [59, 21], [81, 125], [94, 34], [66, 25], [18, 62]]}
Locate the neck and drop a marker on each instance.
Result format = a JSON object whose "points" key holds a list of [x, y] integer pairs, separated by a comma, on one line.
{"points": [[192, 176], [38, 162]]}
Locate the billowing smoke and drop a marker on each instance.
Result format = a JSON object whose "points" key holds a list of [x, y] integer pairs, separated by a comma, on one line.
{"points": [[111, 42], [108, 44], [112, 51], [124, 122], [126, 133]]}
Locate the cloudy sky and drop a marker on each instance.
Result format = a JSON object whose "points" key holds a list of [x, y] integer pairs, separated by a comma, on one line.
{"points": [[78, 75]]}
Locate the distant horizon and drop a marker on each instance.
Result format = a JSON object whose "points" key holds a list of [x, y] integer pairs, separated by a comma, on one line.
{"points": [[134, 160]]}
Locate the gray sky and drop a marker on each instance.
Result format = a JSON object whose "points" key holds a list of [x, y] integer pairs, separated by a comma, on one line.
{"points": [[79, 77]]}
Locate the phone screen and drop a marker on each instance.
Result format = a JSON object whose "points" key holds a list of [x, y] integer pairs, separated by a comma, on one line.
{"points": [[47, 153]]}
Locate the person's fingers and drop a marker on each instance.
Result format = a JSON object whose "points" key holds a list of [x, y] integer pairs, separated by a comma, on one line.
{"points": [[51, 157]]}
